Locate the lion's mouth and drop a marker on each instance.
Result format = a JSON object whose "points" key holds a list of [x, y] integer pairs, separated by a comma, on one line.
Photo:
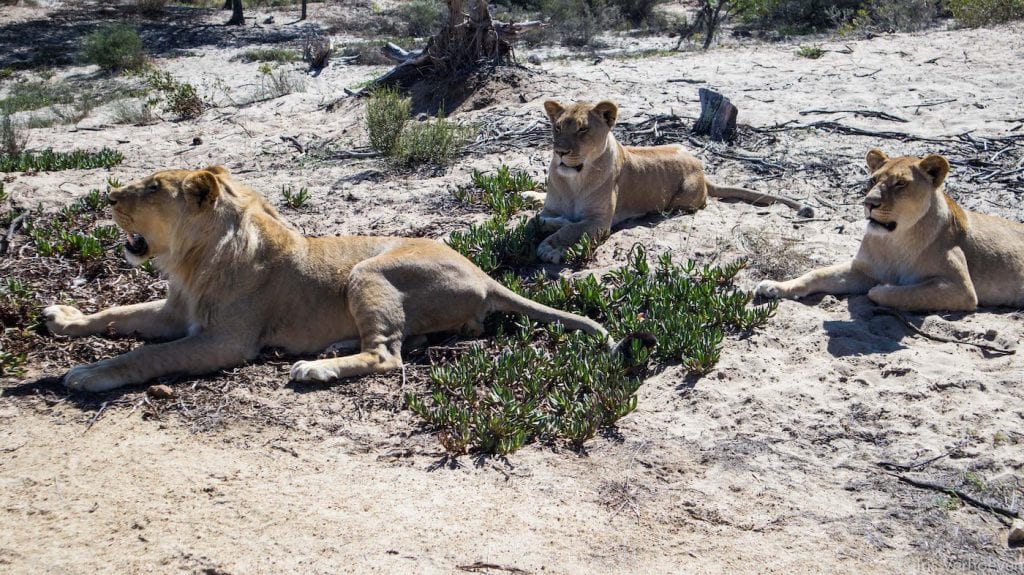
{"points": [[891, 226], [578, 168], [136, 245]]}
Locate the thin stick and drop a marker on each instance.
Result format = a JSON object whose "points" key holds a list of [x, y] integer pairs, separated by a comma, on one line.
{"points": [[958, 493], [918, 331]]}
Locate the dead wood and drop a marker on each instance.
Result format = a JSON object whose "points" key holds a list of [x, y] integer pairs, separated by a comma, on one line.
{"points": [[717, 116]]}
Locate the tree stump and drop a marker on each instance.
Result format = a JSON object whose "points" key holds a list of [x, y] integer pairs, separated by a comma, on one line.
{"points": [[717, 117]]}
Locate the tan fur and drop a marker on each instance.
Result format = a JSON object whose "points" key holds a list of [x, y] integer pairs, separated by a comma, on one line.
{"points": [[939, 256], [595, 183], [241, 280]]}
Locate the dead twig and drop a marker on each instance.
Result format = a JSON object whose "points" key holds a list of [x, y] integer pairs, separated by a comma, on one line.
{"points": [[903, 319], [5, 242], [966, 498], [864, 113], [892, 466], [482, 567]]}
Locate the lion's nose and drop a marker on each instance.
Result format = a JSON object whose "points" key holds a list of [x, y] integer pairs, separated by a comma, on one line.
{"points": [[871, 204]]}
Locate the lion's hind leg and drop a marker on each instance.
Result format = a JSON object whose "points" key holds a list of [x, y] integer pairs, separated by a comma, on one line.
{"points": [[383, 356]]}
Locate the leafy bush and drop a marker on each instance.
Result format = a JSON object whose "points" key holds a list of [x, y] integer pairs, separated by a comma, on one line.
{"points": [[983, 12], [494, 246], [637, 12], [277, 82], [293, 199], [578, 22], [436, 141], [68, 234], [799, 16], [12, 139], [50, 161], [422, 17], [387, 112], [501, 193], [279, 55], [115, 47], [810, 52], [542, 384], [180, 98]]}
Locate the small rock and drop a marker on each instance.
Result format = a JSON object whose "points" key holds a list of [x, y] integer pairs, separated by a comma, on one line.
{"points": [[805, 212], [160, 391], [196, 141], [1015, 538], [269, 20], [534, 59]]}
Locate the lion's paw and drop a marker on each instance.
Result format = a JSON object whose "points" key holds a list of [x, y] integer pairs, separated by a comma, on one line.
{"points": [[92, 377], [548, 253], [537, 198], [768, 289], [62, 319], [313, 371]]}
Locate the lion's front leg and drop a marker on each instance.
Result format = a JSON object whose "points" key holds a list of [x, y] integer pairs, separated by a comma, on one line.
{"points": [[933, 294], [554, 247], [192, 355], [155, 319], [836, 280]]}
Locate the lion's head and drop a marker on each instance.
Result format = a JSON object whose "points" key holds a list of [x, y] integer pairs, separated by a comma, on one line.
{"points": [[902, 190], [153, 210], [580, 131]]}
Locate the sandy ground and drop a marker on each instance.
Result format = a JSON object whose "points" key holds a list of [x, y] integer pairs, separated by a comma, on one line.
{"points": [[766, 465]]}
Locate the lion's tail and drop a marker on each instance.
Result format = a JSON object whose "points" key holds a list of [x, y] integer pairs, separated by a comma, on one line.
{"points": [[503, 299], [756, 198]]}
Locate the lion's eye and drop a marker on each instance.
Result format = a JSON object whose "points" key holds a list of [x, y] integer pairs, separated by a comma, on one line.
{"points": [[583, 130], [152, 187], [899, 185]]}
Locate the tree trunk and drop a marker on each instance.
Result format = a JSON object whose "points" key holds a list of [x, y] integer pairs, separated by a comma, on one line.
{"points": [[236, 14], [303, 16], [227, 5]]}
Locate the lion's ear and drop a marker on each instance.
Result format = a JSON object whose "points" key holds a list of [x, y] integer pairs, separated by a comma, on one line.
{"points": [[217, 169], [201, 187], [936, 167], [875, 159], [608, 112], [553, 109]]}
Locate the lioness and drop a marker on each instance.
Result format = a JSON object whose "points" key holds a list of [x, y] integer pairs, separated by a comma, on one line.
{"points": [[921, 251], [595, 183], [241, 280]]}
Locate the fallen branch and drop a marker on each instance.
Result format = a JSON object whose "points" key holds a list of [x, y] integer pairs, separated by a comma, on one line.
{"points": [[898, 315], [892, 466], [864, 113], [481, 567], [5, 242], [957, 493]]}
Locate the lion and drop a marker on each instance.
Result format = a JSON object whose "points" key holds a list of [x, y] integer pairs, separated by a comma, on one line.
{"points": [[240, 280], [594, 183], [921, 251]]}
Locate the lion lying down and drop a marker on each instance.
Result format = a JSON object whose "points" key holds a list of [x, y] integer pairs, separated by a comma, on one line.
{"points": [[921, 251], [594, 182], [241, 280]]}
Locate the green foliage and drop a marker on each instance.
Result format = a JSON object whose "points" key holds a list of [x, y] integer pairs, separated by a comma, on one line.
{"points": [[637, 12], [810, 52], [387, 112], [422, 17], [501, 193], [436, 141], [115, 47], [36, 94], [12, 365], [555, 387], [180, 98], [985, 12], [293, 199], [18, 309], [12, 139], [73, 232], [279, 55], [50, 161], [802, 16], [542, 384], [495, 247], [277, 82], [578, 22]]}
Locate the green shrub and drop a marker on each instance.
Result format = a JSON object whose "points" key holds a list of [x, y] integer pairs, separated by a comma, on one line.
{"points": [[983, 12], [494, 246], [578, 22], [277, 82], [12, 139], [637, 12], [436, 142], [115, 47], [179, 98], [801, 16], [293, 199], [422, 17], [542, 384], [501, 193], [387, 112], [810, 52], [74, 231], [50, 161], [279, 55]]}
